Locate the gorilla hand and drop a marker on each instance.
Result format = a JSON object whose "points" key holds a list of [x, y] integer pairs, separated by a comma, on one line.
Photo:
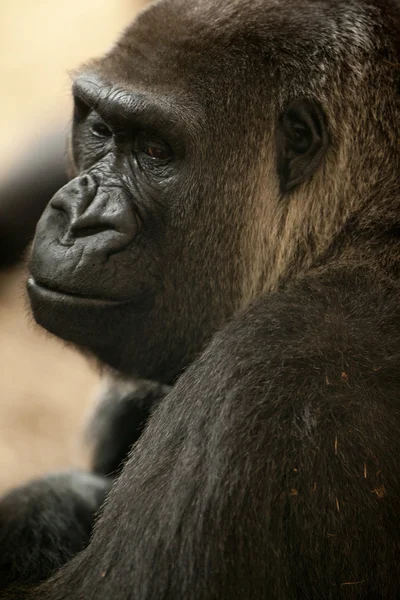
{"points": [[45, 522]]}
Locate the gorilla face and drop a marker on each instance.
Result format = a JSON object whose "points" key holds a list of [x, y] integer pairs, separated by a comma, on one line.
{"points": [[108, 250], [154, 243], [108, 261]]}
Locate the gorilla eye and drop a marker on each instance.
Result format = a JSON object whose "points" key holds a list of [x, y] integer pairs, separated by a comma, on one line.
{"points": [[157, 151], [100, 129], [300, 139]]}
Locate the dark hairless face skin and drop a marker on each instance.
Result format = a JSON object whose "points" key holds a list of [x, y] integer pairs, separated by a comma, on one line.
{"points": [[234, 216]]}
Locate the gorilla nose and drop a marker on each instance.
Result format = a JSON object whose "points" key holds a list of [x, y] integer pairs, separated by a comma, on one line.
{"points": [[98, 210]]}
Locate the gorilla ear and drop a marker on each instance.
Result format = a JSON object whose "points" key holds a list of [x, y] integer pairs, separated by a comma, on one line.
{"points": [[302, 140]]}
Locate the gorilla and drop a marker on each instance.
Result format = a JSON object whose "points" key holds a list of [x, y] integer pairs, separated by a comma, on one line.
{"points": [[232, 231]]}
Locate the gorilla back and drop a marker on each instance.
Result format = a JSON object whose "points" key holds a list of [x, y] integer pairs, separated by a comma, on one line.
{"points": [[236, 199]]}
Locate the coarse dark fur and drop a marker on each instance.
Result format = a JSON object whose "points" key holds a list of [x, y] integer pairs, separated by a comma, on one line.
{"points": [[235, 216], [45, 523]]}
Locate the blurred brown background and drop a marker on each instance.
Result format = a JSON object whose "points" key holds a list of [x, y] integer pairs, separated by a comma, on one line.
{"points": [[45, 388]]}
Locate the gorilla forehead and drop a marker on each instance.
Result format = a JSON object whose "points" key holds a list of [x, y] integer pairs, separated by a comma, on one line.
{"points": [[169, 39]]}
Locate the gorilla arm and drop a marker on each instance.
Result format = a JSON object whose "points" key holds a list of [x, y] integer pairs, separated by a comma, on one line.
{"points": [[271, 468]]}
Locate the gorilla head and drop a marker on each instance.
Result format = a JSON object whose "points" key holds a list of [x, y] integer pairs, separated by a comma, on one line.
{"points": [[215, 155]]}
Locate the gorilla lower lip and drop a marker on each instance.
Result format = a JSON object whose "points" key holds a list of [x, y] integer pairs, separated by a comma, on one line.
{"points": [[58, 295]]}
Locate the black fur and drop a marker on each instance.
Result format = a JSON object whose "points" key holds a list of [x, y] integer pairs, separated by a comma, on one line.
{"points": [[46, 522], [270, 470]]}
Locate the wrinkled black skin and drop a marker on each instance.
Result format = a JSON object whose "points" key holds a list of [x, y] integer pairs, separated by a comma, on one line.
{"points": [[26, 190], [271, 468]]}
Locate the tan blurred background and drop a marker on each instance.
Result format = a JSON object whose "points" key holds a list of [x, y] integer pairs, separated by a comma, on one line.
{"points": [[45, 388]]}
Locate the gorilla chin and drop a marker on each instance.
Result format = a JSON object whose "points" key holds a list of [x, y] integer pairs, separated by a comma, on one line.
{"points": [[86, 322]]}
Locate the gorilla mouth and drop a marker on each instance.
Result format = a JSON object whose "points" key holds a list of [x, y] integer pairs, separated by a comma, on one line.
{"points": [[54, 295]]}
